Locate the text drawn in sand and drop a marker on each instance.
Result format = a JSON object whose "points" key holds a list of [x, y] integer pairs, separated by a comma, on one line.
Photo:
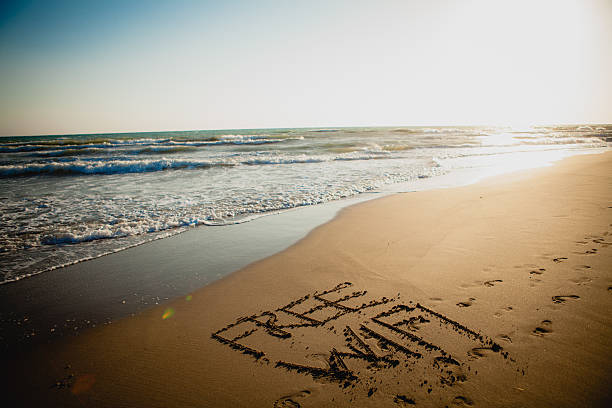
{"points": [[347, 338]]}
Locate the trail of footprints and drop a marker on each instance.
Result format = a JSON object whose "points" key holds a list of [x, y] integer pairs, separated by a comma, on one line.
{"points": [[545, 327], [470, 301], [537, 274]]}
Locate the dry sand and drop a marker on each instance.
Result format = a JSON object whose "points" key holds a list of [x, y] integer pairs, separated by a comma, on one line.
{"points": [[496, 294]]}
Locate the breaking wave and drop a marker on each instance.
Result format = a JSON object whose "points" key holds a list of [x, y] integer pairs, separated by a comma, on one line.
{"points": [[100, 167], [93, 166]]}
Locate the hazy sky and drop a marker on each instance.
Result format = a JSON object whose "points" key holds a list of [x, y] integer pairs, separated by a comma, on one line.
{"points": [[104, 66]]}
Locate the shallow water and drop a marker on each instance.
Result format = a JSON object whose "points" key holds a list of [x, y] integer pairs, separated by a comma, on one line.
{"points": [[64, 199]]}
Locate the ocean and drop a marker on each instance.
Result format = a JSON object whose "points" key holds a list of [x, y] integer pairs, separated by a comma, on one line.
{"points": [[65, 199]]}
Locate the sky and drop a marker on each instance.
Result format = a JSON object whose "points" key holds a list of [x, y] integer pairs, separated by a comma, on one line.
{"points": [[127, 66]]}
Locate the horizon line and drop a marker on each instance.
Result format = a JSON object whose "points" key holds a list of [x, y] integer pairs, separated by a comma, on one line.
{"points": [[539, 124]]}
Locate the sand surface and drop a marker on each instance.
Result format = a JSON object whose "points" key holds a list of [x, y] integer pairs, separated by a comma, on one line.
{"points": [[68, 300], [496, 294]]}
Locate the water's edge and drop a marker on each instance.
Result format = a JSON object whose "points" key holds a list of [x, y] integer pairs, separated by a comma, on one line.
{"points": [[47, 306], [87, 294]]}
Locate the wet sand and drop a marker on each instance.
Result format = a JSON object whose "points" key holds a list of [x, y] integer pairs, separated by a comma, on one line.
{"points": [[66, 301], [494, 294]]}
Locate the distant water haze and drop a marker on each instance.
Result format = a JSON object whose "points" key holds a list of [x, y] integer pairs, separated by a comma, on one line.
{"points": [[64, 199]]}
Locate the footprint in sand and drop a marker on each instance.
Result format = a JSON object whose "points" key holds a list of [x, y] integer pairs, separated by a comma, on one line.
{"points": [[466, 303], [602, 241], [505, 337], [581, 267], [289, 401], [474, 284], [560, 259], [492, 282], [479, 352], [403, 401], [543, 328], [536, 272], [507, 309], [581, 280], [563, 298], [462, 401]]}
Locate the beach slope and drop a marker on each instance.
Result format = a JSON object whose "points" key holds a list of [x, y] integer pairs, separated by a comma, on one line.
{"points": [[495, 294]]}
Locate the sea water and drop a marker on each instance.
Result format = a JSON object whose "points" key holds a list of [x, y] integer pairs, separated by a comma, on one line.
{"points": [[65, 199]]}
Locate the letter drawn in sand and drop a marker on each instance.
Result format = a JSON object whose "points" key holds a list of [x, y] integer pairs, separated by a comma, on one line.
{"points": [[373, 338]]}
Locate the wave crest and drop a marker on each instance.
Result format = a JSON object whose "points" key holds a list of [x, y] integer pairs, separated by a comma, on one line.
{"points": [[101, 167]]}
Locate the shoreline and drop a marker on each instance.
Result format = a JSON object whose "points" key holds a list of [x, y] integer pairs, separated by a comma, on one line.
{"points": [[24, 264], [101, 290], [514, 272], [45, 307]]}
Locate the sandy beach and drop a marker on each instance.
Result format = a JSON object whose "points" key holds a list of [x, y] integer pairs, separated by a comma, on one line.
{"points": [[495, 294]]}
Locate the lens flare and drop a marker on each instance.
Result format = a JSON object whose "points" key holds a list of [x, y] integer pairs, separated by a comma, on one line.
{"points": [[168, 313], [188, 298], [83, 383]]}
